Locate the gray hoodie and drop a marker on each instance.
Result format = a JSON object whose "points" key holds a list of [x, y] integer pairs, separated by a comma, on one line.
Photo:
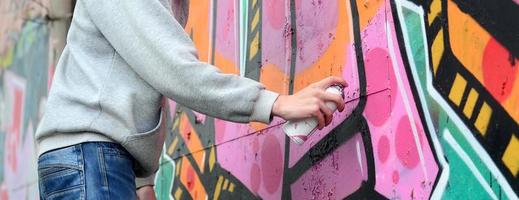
{"points": [[122, 58]]}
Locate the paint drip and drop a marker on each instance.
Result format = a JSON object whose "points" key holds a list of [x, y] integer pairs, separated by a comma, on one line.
{"points": [[300, 130]]}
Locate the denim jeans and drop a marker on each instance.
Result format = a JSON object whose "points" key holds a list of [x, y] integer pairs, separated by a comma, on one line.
{"points": [[93, 170]]}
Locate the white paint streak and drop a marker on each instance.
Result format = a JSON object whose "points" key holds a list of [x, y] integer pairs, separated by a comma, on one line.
{"points": [[445, 169], [242, 40], [359, 158], [405, 98]]}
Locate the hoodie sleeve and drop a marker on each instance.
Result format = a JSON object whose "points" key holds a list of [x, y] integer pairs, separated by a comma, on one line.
{"points": [[147, 36], [141, 182]]}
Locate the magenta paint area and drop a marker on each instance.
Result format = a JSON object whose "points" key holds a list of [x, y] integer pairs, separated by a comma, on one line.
{"points": [[276, 35], [257, 161], [317, 20], [336, 176], [226, 34], [404, 160]]}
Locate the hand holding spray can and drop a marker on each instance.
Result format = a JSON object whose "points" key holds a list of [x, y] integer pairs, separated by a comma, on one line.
{"points": [[300, 130]]}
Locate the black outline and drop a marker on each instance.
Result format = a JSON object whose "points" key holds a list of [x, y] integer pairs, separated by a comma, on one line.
{"points": [[253, 66], [293, 44]]}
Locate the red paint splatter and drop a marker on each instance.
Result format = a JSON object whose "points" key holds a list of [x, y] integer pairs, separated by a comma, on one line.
{"points": [[395, 177], [499, 70], [383, 148], [186, 131], [190, 178], [255, 178], [17, 114], [13, 136], [405, 146], [271, 163]]}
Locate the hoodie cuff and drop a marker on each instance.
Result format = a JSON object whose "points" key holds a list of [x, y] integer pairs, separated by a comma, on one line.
{"points": [[263, 107], [141, 182]]}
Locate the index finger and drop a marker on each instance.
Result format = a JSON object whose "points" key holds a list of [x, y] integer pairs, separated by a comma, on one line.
{"points": [[332, 80]]}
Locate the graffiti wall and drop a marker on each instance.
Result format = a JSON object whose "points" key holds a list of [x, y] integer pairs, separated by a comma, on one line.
{"points": [[431, 108], [31, 39]]}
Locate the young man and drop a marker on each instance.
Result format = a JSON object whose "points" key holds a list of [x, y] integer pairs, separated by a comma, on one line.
{"points": [[106, 114]]}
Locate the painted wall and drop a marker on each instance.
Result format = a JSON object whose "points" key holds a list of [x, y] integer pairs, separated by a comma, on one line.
{"points": [[432, 107], [32, 35]]}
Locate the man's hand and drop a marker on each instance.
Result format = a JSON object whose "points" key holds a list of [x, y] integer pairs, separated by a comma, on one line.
{"points": [[310, 102], [146, 193]]}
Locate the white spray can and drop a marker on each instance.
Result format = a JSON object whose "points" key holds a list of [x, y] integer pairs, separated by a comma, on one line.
{"points": [[300, 130]]}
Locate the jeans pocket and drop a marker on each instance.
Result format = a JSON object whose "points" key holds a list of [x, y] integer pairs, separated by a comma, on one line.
{"points": [[77, 192], [60, 174], [61, 182]]}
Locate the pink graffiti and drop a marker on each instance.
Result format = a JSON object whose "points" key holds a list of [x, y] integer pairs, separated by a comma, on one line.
{"points": [[399, 168], [226, 35], [313, 33], [16, 97], [403, 162], [321, 182]]}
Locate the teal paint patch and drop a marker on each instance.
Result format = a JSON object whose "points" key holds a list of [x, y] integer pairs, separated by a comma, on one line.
{"points": [[164, 178]]}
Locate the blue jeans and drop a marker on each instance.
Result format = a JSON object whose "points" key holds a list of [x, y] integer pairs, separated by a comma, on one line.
{"points": [[93, 170]]}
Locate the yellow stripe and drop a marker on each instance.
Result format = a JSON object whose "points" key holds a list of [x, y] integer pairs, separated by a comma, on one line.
{"points": [[471, 102], [254, 46], [7, 59], [178, 193], [511, 156], [212, 159], [175, 124], [225, 184], [436, 7], [254, 3], [231, 187], [458, 87], [178, 166], [173, 145], [255, 21], [437, 50], [483, 118], [217, 188]]}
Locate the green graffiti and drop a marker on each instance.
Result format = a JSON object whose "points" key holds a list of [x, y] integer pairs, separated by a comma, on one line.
{"points": [[470, 176], [165, 177]]}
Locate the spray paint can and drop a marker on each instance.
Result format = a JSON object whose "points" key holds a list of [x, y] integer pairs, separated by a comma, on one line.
{"points": [[300, 130]]}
